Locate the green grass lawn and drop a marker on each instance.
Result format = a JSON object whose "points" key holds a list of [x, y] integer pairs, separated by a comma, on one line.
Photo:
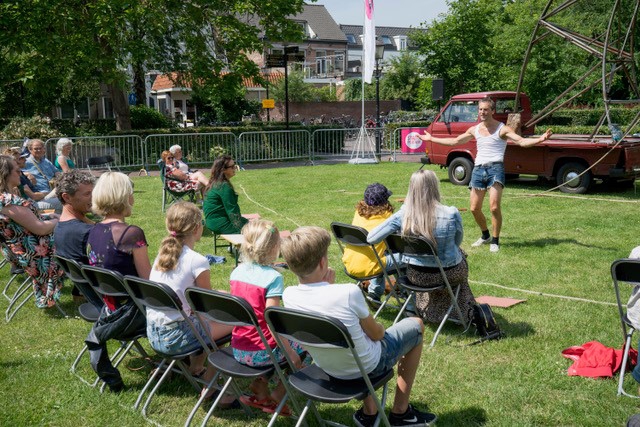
{"points": [[554, 246]]}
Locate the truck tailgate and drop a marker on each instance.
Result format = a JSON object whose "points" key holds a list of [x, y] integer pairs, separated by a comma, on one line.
{"points": [[632, 158]]}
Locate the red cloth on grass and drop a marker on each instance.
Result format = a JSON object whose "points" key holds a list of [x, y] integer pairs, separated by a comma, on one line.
{"points": [[593, 359]]}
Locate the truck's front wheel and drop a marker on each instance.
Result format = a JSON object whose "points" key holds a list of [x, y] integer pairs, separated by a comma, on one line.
{"points": [[460, 170], [573, 182]]}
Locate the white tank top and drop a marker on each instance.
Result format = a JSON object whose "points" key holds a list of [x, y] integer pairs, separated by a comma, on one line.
{"points": [[490, 148]]}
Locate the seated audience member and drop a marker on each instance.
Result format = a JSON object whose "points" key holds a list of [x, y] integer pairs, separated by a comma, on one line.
{"points": [[63, 150], [74, 190], [29, 236], [633, 312], [306, 254], [26, 189], [181, 181], [176, 150], [221, 210], [359, 261], [423, 215], [261, 285], [180, 267], [39, 166], [115, 245]]}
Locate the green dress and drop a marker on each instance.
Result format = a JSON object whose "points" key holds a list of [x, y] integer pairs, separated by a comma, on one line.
{"points": [[221, 210], [69, 163]]}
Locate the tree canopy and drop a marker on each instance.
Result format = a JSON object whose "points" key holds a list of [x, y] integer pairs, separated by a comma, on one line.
{"points": [[65, 49]]}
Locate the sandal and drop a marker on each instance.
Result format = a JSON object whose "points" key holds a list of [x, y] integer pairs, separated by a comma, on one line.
{"points": [[267, 405]]}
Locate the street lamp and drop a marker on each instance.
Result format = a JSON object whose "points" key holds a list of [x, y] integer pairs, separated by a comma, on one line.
{"points": [[379, 56]]}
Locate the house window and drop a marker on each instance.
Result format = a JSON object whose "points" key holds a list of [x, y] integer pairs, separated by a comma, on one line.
{"points": [[339, 61], [321, 62], [107, 106], [73, 110], [386, 40], [401, 42], [351, 39]]}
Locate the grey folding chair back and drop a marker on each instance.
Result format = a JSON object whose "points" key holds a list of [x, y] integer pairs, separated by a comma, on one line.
{"points": [[89, 311], [347, 234], [235, 311], [318, 331], [421, 247], [148, 294], [625, 270]]}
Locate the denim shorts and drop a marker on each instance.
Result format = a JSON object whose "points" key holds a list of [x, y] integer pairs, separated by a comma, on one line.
{"points": [[176, 337], [398, 340], [484, 177]]}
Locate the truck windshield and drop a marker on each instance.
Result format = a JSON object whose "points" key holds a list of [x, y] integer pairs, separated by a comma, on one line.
{"points": [[460, 111]]}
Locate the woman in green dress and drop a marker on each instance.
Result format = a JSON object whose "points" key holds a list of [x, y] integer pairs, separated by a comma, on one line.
{"points": [[63, 162], [221, 210]]}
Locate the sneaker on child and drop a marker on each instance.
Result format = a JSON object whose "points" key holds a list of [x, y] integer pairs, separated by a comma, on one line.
{"points": [[494, 247], [412, 417], [363, 420]]}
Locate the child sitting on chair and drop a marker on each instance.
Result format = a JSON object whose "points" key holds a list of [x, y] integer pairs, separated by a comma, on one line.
{"points": [[262, 286], [359, 261], [379, 350]]}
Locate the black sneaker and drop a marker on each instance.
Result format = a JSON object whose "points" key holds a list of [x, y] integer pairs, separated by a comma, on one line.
{"points": [[412, 417], [363, 420]]}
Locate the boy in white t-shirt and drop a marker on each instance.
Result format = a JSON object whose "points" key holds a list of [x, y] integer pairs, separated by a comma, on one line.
{"points": [[306, 254]]}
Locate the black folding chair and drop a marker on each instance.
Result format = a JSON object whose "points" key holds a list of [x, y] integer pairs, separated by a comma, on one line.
{"points": [[148, 294], [347, 234], [317, 331], [421, 247], [625, 270], [235, 311], [89, 311], [168, 195], [100, 162], [111, 283]]}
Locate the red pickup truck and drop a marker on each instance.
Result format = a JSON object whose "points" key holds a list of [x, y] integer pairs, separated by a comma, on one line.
{"points": [[562, 158]]}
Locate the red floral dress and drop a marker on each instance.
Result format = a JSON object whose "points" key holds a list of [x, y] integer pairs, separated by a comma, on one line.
{"points": [[176, 185], [33, 253]]}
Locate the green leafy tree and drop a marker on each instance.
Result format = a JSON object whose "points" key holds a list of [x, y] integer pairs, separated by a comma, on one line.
{"points": [[299, 91], [63, 49], [403, 77]]}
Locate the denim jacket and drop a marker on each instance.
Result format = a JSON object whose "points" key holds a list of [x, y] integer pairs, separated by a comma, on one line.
{"points": [[448, 234]]}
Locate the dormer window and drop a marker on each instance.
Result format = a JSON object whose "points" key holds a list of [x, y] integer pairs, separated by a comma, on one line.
{"points": [[351, 39], [400, 42], [386, 40]]}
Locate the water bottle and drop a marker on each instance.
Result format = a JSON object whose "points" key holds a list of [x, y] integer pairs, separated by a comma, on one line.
{"points": [[616, 132]]}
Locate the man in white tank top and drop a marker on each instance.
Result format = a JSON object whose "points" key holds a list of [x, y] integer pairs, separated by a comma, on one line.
{"points": [[488, 172]]}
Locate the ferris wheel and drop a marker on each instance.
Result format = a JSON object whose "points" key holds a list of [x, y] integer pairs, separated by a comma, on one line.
{"points": [[612, 54]]}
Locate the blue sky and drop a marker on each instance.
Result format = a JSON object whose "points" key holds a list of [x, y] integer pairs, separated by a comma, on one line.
{"points": [[393, 13]]}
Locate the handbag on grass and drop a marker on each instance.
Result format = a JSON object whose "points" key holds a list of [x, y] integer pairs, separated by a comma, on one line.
{"points": [[485, 322]]}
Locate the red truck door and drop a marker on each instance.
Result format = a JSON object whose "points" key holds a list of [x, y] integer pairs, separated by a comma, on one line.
{"points": [[454, 120]]}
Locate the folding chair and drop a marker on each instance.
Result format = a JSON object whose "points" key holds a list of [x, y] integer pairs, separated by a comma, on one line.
{"points": [[111, 283], [100, 162], [421, 247], [347, 234], [89, 310], [168, 193], [317, 331], [15, 270], [158, 296], [625, 270], [235, 311]]}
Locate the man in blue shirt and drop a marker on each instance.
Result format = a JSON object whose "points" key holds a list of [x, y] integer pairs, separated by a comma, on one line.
{"points": [[43, 171]]}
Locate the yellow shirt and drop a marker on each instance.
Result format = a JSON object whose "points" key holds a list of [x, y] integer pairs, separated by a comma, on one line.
{"points": [[360, 261]]}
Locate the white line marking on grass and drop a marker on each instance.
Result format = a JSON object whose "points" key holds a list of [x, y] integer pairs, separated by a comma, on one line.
{"points": [[543, 294], [269, 209]]}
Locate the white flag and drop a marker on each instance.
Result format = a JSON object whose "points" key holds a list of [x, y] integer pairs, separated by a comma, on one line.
{"points": [[368, 42]]}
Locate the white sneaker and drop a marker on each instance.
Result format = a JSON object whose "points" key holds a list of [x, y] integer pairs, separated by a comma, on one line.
{"points": [[494, 248], [480, 242]]}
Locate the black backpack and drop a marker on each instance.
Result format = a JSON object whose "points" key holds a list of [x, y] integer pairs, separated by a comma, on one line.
{"points": [[485, 322]]}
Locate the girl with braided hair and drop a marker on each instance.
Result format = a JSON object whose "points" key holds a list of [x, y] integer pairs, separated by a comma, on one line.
{"points": [[180, 267]]}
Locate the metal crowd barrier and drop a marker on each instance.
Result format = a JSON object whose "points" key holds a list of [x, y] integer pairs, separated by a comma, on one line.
{"points": [[131, 152], [199, 149], [274, 145], [126, 150]]}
